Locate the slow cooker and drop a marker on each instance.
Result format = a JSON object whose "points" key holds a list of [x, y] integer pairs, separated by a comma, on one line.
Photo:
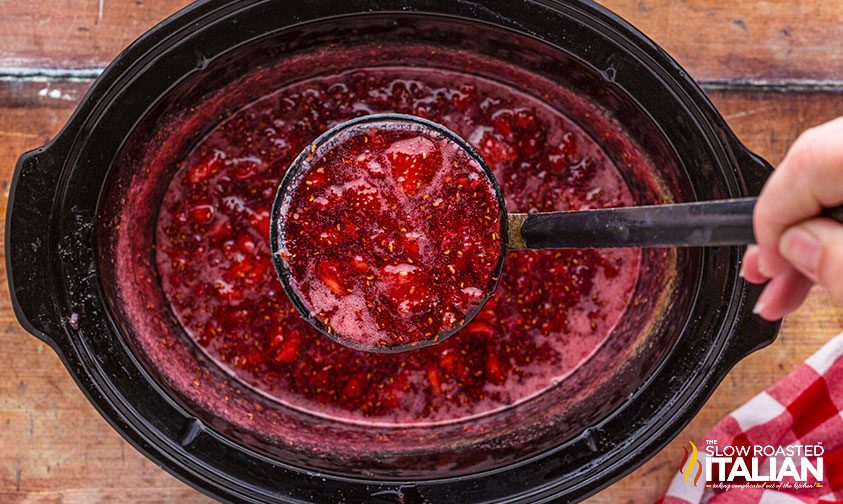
{"points": [[82, 209]]}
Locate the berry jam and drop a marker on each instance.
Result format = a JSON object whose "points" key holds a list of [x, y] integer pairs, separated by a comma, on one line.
{"points": [[392, 233], [552, 310]]}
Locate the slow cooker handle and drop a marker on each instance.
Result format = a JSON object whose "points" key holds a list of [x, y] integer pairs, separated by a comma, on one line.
{"points": [[751, 332], [28, 245]]}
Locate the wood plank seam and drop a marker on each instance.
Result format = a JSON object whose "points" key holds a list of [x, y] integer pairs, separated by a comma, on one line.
{"points": [[772, 85], [27, 73]]}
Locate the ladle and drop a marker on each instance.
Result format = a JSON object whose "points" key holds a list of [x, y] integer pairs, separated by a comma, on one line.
{"points": [[697, 224]]}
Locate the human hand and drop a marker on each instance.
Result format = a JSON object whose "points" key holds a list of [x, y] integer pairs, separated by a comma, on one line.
{"points": [[796, 249]]}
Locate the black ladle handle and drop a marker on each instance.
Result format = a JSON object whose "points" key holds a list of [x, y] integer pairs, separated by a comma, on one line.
{"points": [[699, 224]]}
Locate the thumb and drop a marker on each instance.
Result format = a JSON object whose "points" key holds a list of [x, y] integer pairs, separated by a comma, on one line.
{"points": [[815, 248]]}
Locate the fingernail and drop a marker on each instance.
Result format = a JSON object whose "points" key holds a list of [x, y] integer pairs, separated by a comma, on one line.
{"points": [[759, 305], [763, 301], [750, 250], [802, 249]]}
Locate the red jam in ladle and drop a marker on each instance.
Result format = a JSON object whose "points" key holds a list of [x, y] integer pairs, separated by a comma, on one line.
{"points": [[389, 233]]}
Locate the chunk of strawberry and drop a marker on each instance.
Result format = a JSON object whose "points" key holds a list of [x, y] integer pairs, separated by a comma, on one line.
{"points": [[244, 168], [569, 146], [465, 97], [525, 119], [276, 337], [502, 122], [391, 396], [206, 168], [348, 227], [477, 328], [433, 379], [495, 150], [260, 222], [530, 146], [448, 360], [239, 268], [359, 264], [219, 231], [255, 357], [414, 162], [410, 245], [353, 388], [364, 199], [329, 236], [245, 243], [493, 368], [316, 179], [202, 214], [407, 288], [289, 348], [329, 273], [209, 334], [262, 266]]}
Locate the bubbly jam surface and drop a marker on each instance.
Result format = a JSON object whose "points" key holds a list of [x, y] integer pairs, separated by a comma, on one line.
{"points": [[392, 233], [551, 311]]}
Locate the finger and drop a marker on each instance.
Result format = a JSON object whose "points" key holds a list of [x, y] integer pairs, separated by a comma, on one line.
{"points": [[809, 178], [770, 261], [749, 266], [782, 295], [815, 248]]}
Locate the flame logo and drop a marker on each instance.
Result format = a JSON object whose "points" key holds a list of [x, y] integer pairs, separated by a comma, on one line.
{"points": [[692, 462]]}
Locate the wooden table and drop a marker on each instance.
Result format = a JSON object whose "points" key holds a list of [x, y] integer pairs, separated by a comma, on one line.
{"points": [[773, 68]]}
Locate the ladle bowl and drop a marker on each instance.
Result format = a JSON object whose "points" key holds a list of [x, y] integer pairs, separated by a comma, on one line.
{"points": [[303, 163]]}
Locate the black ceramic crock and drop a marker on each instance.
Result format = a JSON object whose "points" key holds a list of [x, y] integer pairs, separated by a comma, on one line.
{"points": [[58, 292]]}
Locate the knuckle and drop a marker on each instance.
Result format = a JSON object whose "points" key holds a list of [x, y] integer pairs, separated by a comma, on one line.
{"points": [[803, 150], [767, 217]]}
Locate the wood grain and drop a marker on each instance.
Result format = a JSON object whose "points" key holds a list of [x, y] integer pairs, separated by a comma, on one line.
{"points": [[745, 39], [74, 33], [739, 40], [56, 448]]}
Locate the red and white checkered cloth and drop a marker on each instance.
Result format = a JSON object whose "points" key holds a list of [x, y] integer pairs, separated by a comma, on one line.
{"points": [[803, 408]]}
